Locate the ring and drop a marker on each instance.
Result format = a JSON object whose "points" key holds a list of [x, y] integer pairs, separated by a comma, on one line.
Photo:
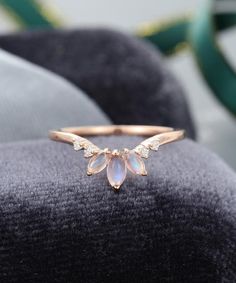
{"points": [[117, 161]]}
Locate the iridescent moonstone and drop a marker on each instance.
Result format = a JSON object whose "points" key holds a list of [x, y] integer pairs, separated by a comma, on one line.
{"points": [[116, 171], [97, 163], [135, 164]]}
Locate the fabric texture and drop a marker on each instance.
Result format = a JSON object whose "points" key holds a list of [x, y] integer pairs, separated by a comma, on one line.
{"points": [[34, 100], [125, 75], [58, 225]]}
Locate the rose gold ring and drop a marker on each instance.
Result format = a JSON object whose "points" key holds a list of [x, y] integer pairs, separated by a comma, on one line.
{"points": [[117, 161]]}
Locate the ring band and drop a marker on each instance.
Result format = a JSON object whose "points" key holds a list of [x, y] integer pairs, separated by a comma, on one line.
{"points": [[117, 161]]}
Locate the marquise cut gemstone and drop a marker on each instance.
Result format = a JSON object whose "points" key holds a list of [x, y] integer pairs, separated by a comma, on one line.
{"points": [[116, 171], [97, 163], [135, 164]]}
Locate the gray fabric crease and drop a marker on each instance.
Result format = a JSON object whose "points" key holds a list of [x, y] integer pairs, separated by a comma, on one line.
{"points": [[178, 224], [34, 100]]}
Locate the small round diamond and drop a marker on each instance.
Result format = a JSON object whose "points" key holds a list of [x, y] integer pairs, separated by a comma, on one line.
{"points": [[154, 145], [91, 150], [77, 145], [142, 150]]}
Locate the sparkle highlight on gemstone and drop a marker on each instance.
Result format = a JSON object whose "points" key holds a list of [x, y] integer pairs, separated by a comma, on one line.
{"points": [[77, 145], [154, 144]]}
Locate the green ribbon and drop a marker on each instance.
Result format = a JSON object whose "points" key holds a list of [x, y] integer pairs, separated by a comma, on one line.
{"points": [[200, 32], [217, 71], [30, 13]]}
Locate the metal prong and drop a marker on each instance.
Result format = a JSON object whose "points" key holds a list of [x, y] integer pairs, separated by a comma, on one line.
{"points": [[115, 152], [116, 187]]}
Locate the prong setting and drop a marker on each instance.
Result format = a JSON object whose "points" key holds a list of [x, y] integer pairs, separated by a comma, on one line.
{"points": [[118, 161]]}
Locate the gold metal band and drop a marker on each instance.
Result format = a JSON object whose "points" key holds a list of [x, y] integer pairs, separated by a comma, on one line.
{"points": [[166, 134], [117, 161]]}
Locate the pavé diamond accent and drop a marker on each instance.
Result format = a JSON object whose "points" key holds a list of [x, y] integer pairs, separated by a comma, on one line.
{"points": [[142, 150], [118, 161], [77, 145], [154, 145], [91, 150]]}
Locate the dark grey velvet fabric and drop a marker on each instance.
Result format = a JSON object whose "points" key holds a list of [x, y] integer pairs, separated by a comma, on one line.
{"points": [[125, 75], [58, 225]]}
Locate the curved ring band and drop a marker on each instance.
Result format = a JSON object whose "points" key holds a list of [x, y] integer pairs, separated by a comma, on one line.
{"points": [[117, 161]]}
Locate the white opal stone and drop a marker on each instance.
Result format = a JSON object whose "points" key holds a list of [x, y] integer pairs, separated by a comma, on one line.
{"points": [[135, 164], [97, 163], [116, 171]]}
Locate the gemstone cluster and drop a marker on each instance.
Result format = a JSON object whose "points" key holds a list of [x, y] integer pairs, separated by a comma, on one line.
{"points": [[117, 162]]}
